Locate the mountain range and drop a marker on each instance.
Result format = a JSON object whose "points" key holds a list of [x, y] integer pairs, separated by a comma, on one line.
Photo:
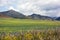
{"points": [[15, 14]]}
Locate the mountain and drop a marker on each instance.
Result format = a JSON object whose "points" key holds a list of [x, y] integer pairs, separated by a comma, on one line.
{"points": [[58, 18], [12, 13], [41, 17], [15, 14]]}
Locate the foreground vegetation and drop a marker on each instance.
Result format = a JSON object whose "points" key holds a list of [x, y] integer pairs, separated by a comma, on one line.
{"points": [[31, 35], [28, 29]]}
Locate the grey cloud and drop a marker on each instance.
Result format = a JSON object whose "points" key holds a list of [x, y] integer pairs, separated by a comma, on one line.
{"points": [[43, 7]]}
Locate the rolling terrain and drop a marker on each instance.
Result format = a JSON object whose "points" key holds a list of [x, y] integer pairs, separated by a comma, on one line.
{"points": [[13, 20], [17, 26], [15, 14], [10, 24]]}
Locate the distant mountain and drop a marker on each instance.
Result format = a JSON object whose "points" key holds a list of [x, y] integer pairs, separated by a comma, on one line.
{"points": [[58, 18], [12, 13], [15, 14], [41, 17]]}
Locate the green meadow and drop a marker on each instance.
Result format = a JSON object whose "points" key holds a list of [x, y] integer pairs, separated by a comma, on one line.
{"points": [[11, 24]]}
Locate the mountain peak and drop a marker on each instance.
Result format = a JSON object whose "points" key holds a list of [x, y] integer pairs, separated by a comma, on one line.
{"points": [[11, 10]]}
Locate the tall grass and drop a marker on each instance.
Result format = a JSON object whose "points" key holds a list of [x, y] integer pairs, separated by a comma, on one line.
{"points": [[28, 29], [31, 35]]}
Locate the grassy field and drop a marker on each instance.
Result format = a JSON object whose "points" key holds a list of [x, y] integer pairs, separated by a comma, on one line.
{"points": [[28, 29], [10, 24]]}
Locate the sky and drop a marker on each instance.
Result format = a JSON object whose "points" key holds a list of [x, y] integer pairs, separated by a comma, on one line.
{"points": [[28, 7]]}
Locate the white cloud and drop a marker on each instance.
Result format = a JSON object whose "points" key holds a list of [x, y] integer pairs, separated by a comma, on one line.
{"points": [[12, 8], [3, 2], [6, 2], [39, 6], [43, 7]]}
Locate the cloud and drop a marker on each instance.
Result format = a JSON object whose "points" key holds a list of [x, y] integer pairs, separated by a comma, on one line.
{"points": [[3, 2], [12, 8], [43, 7], [6, 2]]}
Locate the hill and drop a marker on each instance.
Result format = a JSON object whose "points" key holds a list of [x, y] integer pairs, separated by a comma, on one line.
{"points": [[12, 13], [15, 14], [40, 17], [58, 18]]}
